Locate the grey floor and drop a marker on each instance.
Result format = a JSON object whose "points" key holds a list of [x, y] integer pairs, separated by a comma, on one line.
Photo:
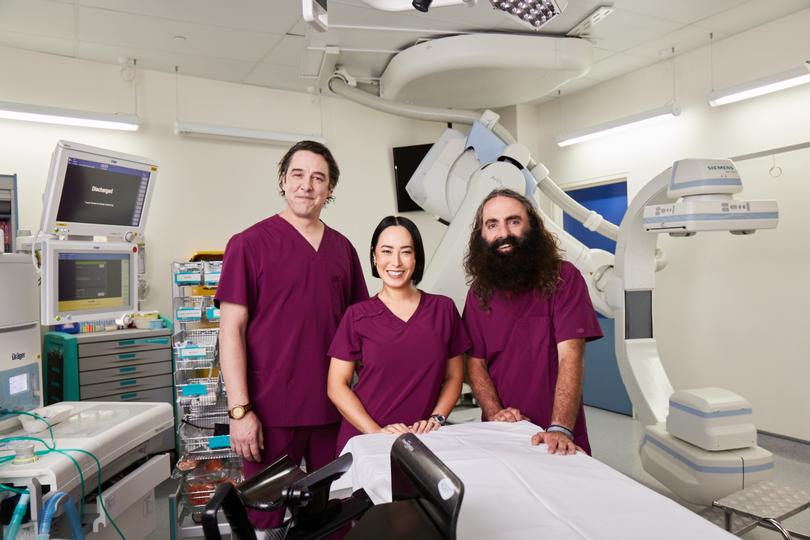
{"points": [[614, 440]]}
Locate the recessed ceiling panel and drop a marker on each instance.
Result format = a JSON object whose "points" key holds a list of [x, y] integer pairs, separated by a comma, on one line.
{"points": [[37, 17], [623, 30], [682, 11], [484, 70], [271, 16], [198, 66], [287, 52], [150, 33], [284, 77]]}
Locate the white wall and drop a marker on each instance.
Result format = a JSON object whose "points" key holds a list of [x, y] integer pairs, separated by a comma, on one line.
{"points": [[206, 190], [729, 311]]}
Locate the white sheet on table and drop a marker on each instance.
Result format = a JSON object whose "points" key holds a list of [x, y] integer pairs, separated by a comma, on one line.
{"points": [[514, 490]]}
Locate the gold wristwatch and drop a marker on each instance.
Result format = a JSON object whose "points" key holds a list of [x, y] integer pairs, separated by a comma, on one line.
{"points": [[237, 412]]}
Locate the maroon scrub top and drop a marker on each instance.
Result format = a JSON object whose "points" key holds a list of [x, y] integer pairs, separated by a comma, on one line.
{"points": [[402, 365], [518, 338], [295, 297]]}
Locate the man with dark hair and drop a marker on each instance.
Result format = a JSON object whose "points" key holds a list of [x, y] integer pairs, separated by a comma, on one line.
{"points": [[286, 282], [528, 315]]}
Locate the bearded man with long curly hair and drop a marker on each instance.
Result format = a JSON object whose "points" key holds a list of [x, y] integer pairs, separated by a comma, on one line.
{"points": [[528, 315]]}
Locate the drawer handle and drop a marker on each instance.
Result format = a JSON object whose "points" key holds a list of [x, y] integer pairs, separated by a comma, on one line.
{"points": [[160, 341], [128, 382], [129, 396], [129, 369], [126, 343], [127, 356]]}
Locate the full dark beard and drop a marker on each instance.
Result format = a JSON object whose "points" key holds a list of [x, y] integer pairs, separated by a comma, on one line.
{"points": [[513, 272]]}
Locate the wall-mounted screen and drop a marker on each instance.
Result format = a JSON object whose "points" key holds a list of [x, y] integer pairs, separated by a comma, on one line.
{"points": [[96, 192]]}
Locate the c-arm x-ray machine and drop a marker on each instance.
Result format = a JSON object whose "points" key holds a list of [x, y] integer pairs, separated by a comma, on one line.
{"points": [[699, 443]]}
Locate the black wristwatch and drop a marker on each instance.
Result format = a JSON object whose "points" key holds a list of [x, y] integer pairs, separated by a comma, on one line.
{"points": [[438, 418]]}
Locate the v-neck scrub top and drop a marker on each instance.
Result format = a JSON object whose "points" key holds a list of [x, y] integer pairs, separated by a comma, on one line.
{"points": [[295, 298], [518, 337], [401, 365]]}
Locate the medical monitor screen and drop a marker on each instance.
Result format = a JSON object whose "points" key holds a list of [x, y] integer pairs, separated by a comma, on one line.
{"points": [[406, 161], [101, 193], [93, 282]]}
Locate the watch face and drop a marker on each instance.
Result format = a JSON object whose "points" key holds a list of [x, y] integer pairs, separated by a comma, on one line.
{"points": [[237, 412]]}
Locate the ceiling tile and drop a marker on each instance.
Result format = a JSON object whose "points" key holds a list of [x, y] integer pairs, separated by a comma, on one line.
{"points": [[270, 16], [750, 14], [287, 52], [623, 30], [684, 39], [149, 33], [197, 66], [43, 44], [275, 76], [682, 11], [37, 17], [616, 65]]}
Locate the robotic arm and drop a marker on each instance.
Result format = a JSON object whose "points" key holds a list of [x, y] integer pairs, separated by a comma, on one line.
{"points": [[451, 182]]}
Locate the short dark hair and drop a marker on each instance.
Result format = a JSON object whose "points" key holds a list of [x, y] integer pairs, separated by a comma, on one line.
{"points": [[315, 148], [418, 249]]}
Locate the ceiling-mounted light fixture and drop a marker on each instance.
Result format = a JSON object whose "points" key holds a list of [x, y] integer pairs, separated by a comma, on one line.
{"points": [[181, 127], [67, 117], [614, 126], [766, 85], [421, 5], [533, 13]]}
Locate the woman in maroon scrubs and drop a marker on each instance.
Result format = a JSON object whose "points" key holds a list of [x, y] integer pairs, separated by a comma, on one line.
{"points": [[405, 344]]}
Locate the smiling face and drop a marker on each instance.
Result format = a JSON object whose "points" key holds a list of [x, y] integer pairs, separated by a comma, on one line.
{"points": [[394, 257], [306, 184], [505, 222]]}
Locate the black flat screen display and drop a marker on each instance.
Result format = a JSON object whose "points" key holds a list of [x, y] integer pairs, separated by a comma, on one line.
{"points": [[102, 194]]}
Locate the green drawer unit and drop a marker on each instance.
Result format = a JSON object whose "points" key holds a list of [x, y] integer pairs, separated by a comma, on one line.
{"points": [[72, 362]]}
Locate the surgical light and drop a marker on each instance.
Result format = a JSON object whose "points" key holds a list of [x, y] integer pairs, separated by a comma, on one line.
{"points": [[422, 5], [67, 117], [533, 13], [622, 124], [759, 87]]}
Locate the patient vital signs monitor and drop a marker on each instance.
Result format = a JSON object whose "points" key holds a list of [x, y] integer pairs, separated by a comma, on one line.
{"points": [[84, 281], [95, 192]]}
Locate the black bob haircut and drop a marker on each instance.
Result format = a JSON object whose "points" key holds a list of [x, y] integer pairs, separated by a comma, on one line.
{"points": [[418, 249]]}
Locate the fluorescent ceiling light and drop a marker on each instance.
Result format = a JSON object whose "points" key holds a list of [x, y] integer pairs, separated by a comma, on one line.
{"points": [[193, 129], [766, 85], [622, 124], [67, 117]]}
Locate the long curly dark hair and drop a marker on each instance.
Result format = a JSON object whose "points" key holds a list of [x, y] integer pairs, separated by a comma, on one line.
{"points": [[535, 265]]}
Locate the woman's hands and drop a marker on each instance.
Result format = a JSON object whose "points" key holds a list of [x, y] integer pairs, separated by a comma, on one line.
{"points": [[420, 427]]}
